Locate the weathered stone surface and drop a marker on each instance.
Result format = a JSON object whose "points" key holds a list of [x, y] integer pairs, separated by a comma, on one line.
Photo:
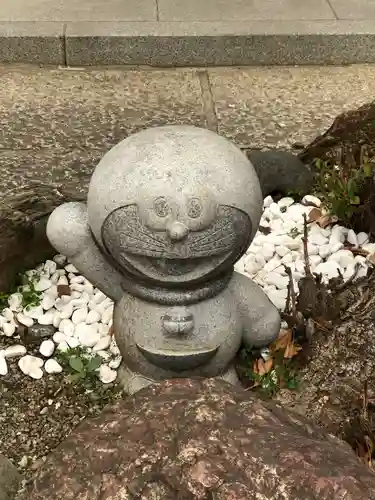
{"points": [[194, 439], [91, 110], [280, 171], [352, 133], [276, 107], [9, 479]]}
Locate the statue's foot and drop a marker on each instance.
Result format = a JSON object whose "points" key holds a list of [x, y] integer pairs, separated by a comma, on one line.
{"points": [[132, 382], [230, 376]]}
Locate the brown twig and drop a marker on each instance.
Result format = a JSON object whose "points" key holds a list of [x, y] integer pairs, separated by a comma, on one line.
{"points": [[305, 250], [292, 297]]}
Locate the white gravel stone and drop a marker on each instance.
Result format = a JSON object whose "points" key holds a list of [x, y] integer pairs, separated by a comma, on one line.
{"points": [[268, 200], [8, 314], [76, 279], [352, 238], [87, 334], [67, 327], [338, 235], [9, 329], [59, 337], [312, 249], [311, 200], [31, 366], [277, 280], [50, 266], [59, 259], [62, 346], [324, 251], [78, 303], [61, 302], [48, 301], [66, 311], [285, 202], [115, 363], [3, 366], [63, 280], [107, 315], [34, 312], [73, 342], [102, 344], [47, 348], [43, 284], [80, 315], [93, 317], [69, 268], [362, 238], [317, 239], [343, 257], [52, 366], [106, 374], [14, 351], [24, 320], [55, 278], [328, 269], [15, 301], [47, 318], [56, 318]]}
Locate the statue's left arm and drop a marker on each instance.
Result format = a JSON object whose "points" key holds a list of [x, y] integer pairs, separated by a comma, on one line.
{"points": [[69, 233], [260, 318]]}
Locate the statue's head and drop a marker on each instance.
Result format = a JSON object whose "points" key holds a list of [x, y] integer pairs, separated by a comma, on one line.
{"points": [[174, 205]]}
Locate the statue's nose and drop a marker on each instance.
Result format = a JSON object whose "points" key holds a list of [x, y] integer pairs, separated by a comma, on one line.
{"points": [[177, 231]]}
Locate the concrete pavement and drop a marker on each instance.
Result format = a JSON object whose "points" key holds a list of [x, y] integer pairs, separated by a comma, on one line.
{"points": [[187, 33], [55, 124]]}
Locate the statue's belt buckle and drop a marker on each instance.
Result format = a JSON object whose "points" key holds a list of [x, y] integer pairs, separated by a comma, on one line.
{"points": [[178, 324]]}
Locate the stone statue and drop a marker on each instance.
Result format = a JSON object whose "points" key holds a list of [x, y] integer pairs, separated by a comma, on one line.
{"points": [[169, 211]]}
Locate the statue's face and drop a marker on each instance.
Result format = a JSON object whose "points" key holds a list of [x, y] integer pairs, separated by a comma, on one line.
{"points": [[166, 241]]}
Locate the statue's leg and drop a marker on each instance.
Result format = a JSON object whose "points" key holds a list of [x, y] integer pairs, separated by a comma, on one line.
{"points": [[230, 376]]}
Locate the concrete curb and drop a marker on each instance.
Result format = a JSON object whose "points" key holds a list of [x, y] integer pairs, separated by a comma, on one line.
{"points": [[164, 44]]}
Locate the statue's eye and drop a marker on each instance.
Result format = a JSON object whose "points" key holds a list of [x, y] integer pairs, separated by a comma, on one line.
{"points": [[161, 207], [194, 208]]}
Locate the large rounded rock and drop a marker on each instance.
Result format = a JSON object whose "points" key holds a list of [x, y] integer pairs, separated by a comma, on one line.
{"points": [[281, 171], [200, 439], [9, 479]]}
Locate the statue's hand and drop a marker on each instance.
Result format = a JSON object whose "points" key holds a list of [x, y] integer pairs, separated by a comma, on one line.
{"points": [[68, 229], [261, 320], [69, 232]]}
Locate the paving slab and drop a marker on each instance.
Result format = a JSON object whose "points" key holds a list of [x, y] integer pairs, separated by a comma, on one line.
{"points": [[217, 43], [68, 109], [354, 9], [34, 43], [259, 107], [178, 33], [240, 10], [78, 10]]}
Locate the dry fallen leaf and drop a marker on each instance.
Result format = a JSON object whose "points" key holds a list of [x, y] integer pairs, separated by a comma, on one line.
{"points": [[292, 350], [327, 220], [314, 215], [262, 367], [284, 338]]}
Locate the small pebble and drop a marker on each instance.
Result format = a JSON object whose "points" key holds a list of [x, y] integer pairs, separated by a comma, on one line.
{"points": [[46, 348]]}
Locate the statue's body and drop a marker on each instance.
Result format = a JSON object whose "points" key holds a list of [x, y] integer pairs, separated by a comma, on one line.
{"points": [[169, 212]]}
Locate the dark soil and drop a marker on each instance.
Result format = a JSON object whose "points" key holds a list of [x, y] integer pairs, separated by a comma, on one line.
{"points": [[36, 415]]}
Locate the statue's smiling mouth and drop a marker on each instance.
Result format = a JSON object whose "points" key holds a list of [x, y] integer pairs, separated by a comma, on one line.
{"points": [[174, 267], [177, 267]]}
